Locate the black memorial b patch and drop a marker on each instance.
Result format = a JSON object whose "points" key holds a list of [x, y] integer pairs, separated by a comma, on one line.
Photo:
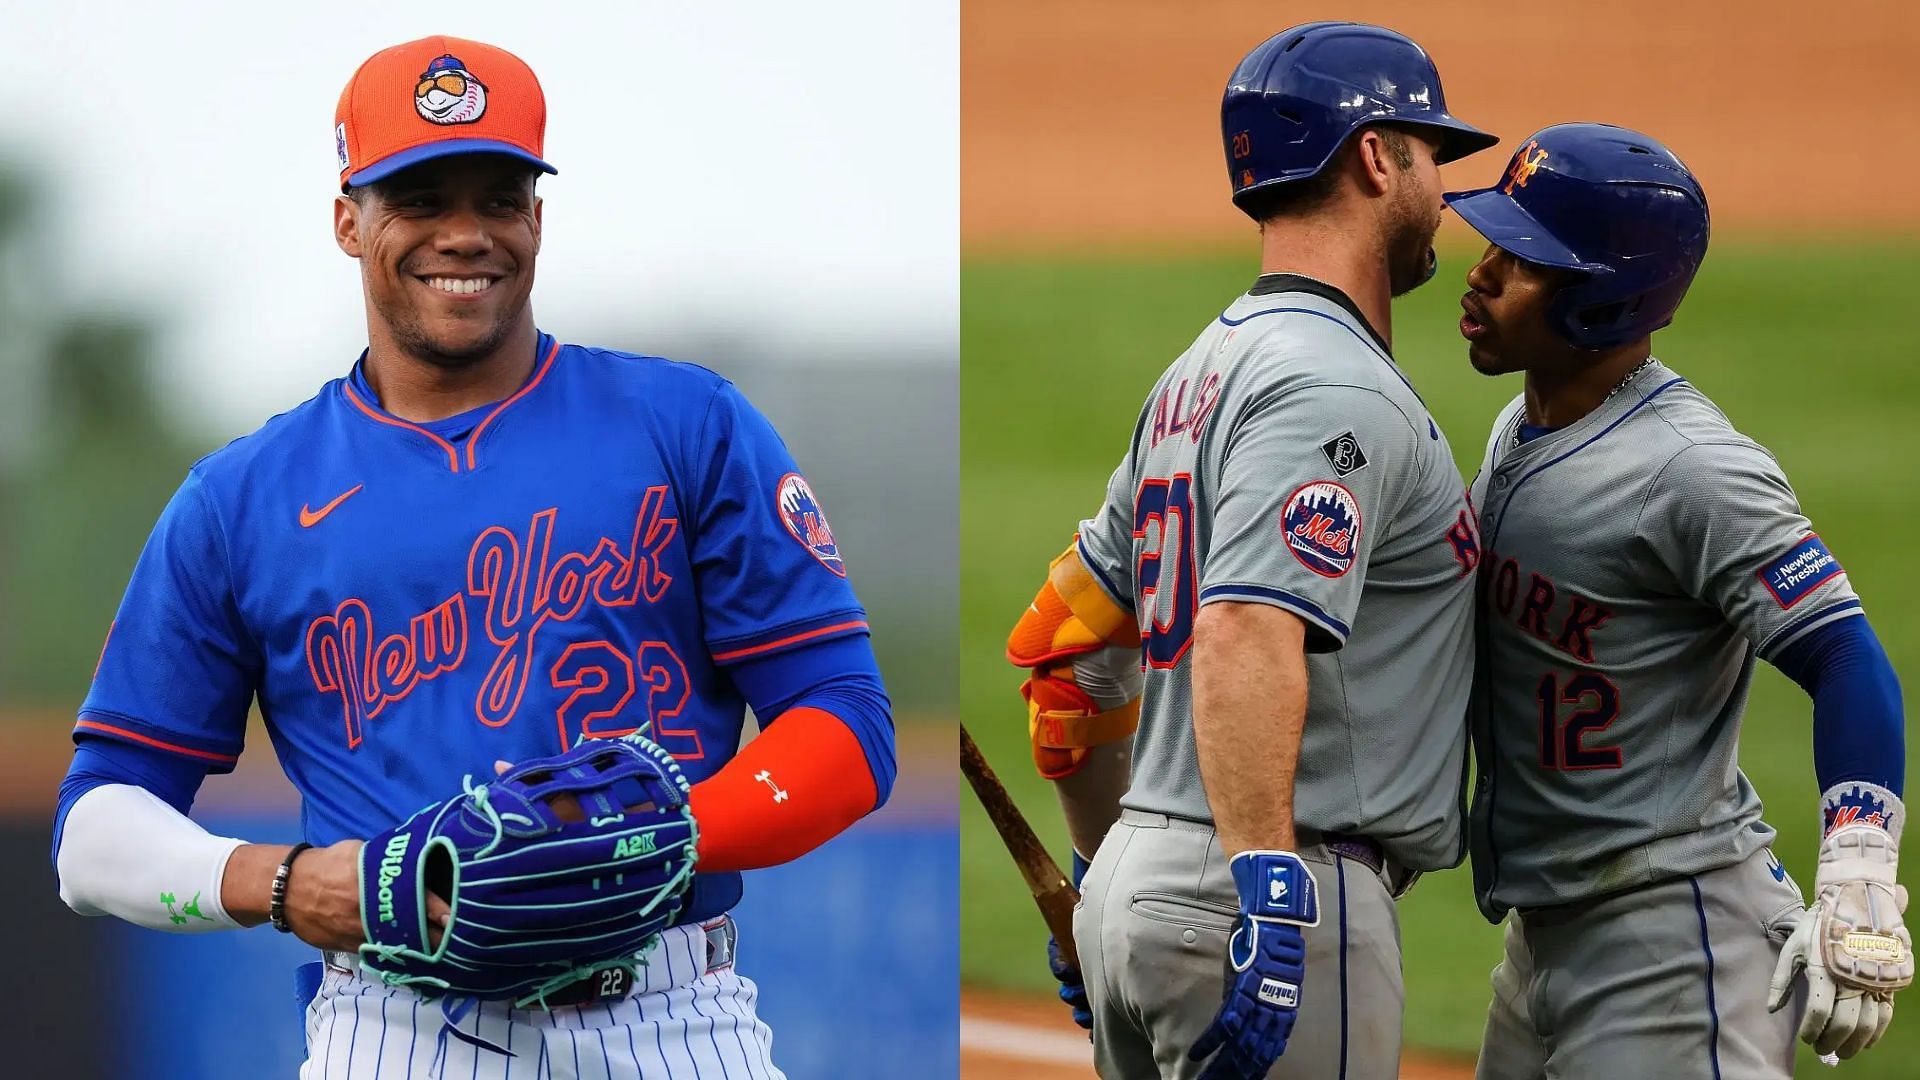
{"points": [[1343, 453]]}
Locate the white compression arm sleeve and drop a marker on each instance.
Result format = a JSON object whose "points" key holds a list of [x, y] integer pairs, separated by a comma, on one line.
{"points": [[128, 854]]}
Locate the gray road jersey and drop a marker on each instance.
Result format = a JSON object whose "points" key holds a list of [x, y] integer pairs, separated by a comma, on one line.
{"points": [[1637, 562], [1283, 459]]}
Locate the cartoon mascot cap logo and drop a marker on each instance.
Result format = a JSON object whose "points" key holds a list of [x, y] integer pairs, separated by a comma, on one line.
{"points": [[1321, 524], [449, 94], [804, 519]]}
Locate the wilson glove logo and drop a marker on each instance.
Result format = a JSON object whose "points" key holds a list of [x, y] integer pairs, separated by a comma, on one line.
{"points": [[390, 865]]}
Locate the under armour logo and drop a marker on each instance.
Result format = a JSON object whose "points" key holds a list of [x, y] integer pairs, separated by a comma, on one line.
{"points": [[1524, 166], [766, 778]]}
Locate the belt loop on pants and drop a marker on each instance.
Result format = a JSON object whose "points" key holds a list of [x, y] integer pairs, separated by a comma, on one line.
{"points": [[1358, 848]]}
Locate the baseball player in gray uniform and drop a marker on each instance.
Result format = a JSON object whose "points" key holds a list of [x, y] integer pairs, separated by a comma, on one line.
{"points": [[1639, 554], [1289, 542]]}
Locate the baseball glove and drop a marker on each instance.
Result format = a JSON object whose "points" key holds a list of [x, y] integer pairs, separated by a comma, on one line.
{"points": [[560, 868]]}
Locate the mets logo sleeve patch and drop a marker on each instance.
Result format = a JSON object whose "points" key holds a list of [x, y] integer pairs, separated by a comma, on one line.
{"points": [[771, 574], [801, 513], [1321, 524], [1297, 502]]}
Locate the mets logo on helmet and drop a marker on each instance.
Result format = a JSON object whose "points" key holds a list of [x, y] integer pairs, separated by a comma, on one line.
{"points": [[449, 94], [1524, 165], [1321, 523], [804, 519]]}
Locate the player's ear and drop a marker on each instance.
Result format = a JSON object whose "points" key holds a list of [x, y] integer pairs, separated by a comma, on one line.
{"points": [[537, 204], [346, 225], [1373, 160]]}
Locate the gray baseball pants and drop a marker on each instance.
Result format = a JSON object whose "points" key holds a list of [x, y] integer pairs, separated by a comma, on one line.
{"points": [[1666, 980], [1156, 909]]}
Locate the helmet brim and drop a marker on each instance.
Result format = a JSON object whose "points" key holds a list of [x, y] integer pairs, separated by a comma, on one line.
{"points": [[1458, 138], [1507, 226]]}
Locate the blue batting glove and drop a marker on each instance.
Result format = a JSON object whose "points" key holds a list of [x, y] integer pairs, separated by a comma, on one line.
{"points": [[1266, 963], [1073, 989]]}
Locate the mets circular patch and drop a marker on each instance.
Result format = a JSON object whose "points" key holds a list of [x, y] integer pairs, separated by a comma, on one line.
{"points": [[807, 522], [1322, 525]]}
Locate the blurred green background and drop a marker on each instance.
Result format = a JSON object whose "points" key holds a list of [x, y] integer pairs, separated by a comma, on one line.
{"points": [[1800, 342]]}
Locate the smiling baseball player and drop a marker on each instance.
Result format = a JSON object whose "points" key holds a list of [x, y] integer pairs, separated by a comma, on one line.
{"points": [[1285, 549], [1640, 553], [480, 546]]}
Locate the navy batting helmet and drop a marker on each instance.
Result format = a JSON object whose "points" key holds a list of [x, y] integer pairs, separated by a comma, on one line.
{"points": [[1294, 100], [1615, 207]]}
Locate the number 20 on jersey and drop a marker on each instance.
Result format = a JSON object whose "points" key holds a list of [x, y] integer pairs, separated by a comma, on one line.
{"points": [[1163, 528]]}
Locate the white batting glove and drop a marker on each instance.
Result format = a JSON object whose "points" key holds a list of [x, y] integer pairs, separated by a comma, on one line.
{"points": [[1852, 944]]}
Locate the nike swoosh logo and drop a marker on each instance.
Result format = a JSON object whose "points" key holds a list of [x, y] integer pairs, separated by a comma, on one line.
{"points": [[310, 518]]}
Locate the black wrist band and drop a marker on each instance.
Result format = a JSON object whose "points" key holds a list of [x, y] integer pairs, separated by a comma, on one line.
{"points": [[277, 907]]}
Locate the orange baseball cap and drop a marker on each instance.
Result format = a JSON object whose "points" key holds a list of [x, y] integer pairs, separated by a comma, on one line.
{"points": [[434, 97]]}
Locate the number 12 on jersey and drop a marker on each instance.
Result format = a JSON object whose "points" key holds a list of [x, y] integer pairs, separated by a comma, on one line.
{"points": [[1595, 702], [1169, 505]]}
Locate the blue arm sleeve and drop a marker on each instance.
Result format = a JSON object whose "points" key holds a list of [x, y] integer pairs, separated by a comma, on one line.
{"points": [[839, 676], [96, 762], [1859, 727]]}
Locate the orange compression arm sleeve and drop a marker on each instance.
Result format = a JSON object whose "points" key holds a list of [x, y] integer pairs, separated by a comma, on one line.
{"points": [[798, 784]]}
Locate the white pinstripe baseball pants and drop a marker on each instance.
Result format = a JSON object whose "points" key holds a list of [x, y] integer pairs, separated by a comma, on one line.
{"points": [[686, 1019]]}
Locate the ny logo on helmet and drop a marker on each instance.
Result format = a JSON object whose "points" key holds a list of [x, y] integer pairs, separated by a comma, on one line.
{"points": [[1524, 166]]}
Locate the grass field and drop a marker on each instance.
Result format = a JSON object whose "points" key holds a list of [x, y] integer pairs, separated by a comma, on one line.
{"points": [[1809, 348]]}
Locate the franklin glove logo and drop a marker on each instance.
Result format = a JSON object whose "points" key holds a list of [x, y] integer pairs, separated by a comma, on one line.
{"points": [[1283, 995]]}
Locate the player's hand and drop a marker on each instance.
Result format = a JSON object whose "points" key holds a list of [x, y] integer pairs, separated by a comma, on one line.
{"points": [[1852, 944], [1073, 989], [323, 899], [1266, 964], [1073, 986]]}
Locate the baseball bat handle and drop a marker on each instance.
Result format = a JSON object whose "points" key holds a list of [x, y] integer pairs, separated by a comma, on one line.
{"points": [[1051, 891]]}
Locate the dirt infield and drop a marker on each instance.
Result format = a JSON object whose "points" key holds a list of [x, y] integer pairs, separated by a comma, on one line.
{"points": [[1095, 122], [1016, 1037]]}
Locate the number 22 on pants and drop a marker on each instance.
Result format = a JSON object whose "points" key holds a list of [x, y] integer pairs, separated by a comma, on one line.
{"points": [[1595, 702], [1163, 527]]}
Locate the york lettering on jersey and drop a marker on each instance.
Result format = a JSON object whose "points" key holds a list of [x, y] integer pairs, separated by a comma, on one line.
{"points": [[519, 585], [1560, 617]]}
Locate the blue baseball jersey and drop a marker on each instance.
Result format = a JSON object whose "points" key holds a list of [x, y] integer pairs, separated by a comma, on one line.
{"points": [[410, 602]]}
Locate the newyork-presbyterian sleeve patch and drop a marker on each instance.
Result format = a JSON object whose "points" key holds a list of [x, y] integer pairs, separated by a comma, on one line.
{"points": [[1804, 568]]}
